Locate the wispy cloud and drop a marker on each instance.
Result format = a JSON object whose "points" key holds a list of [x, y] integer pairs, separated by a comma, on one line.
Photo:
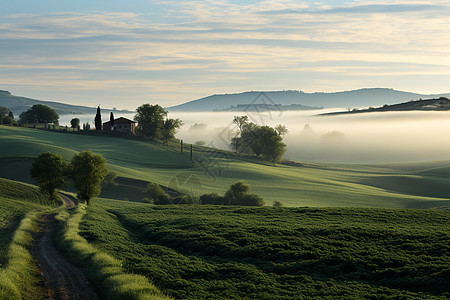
{"points": [[220, 46]]}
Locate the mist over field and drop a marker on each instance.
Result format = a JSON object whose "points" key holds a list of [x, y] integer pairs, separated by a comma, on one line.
{"points": [[360, 138], [385, 137]]}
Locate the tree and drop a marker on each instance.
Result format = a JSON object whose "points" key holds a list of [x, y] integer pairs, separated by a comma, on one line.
{"points": [[111, 120], [6, 116], [87, 172], [240, 121], [86, 126], [157, 194], [150, 119], [39, 113], [98, 119], [259, 140], [274, 147], [281, 130], [49, 170], [75, 123], [169, 128], [237, 194]]}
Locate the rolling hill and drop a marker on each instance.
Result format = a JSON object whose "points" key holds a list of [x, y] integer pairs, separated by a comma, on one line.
{"points": [[18, 104], [441, 104], [355, 98], [140, 162]]}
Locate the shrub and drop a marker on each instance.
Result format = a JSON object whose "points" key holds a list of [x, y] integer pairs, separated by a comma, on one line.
{"points": [[212, 198], [157, 194], [277, 203], [252, 200]]}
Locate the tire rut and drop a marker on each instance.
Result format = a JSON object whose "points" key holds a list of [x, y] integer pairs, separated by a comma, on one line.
{"points": [[62, 279]]}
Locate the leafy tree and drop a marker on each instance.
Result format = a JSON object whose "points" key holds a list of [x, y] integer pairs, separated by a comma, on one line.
{"points": [[98, 119], [281, 130], [75, 123], [49, 170], [169, 128], [3, 111], [6, 116], [87, 172], [274, 147], [259, 140], [240, 121], [237, 194], [39, 113], [150, 120], [236, 144]]}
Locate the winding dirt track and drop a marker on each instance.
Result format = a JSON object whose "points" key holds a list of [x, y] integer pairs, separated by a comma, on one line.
{"points": [[62, 279]]}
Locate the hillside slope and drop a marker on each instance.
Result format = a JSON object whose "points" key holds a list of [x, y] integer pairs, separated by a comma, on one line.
{"points": [[215, 171], [18, 104], [441, 104], [355, 98]]}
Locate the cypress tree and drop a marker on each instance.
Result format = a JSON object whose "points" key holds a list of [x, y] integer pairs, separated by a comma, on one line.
{"points": [[111, 120], [98, 120]]}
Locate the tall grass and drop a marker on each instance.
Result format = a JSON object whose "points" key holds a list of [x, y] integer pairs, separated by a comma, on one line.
{"points": [[103, 271], [20, 278], [25, 192]]}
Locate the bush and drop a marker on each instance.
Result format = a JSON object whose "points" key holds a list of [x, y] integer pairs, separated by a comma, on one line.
{"points": [[277, 203], [252, 200], [157, 194], [212, 198]]}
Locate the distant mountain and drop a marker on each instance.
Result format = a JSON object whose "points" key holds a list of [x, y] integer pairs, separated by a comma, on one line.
{"points": [[440, 104], [351, 99], [268, 107], [18, 104]]}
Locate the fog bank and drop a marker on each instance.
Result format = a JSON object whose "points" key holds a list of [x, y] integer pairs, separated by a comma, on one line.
{"points": [[358, 138], [378, 137]]}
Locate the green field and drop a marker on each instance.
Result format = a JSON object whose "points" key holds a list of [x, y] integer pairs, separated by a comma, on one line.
{"points": [[21, 206], [418, 185], [16, 199], [205, 252]]}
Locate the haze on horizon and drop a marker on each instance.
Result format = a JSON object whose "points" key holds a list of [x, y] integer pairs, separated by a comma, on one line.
{"points": [[123, 54]]}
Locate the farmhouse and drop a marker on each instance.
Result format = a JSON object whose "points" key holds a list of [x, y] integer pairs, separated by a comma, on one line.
{"points": [[120, 124]]}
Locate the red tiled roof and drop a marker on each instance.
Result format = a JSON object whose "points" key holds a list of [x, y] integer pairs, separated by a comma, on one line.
{"points": [[120, 120]]}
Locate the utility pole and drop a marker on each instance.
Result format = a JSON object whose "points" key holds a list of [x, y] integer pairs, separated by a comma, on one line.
{"points": [[181, 146], [191, 152]]}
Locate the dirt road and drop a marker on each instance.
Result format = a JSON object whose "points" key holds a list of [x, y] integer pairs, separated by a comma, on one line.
{"points": [[62, 279]]}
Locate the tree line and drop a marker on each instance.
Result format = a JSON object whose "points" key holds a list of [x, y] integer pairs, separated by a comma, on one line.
{"points": [[86, 171], [237, 194]]}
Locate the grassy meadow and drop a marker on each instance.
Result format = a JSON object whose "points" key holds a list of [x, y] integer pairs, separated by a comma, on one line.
{"points": [[21, 206], [205, 252], [419, 185]]}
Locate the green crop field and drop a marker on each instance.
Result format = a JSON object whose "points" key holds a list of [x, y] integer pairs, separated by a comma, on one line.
{"points": [[16, 199], [205, 252], [419, 185]]}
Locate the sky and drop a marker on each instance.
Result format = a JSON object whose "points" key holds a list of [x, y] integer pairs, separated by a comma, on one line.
{"points": [[125, 53]]}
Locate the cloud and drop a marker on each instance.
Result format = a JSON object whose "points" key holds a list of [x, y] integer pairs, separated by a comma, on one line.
{"points": [[221, 46], [365, 9]]}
